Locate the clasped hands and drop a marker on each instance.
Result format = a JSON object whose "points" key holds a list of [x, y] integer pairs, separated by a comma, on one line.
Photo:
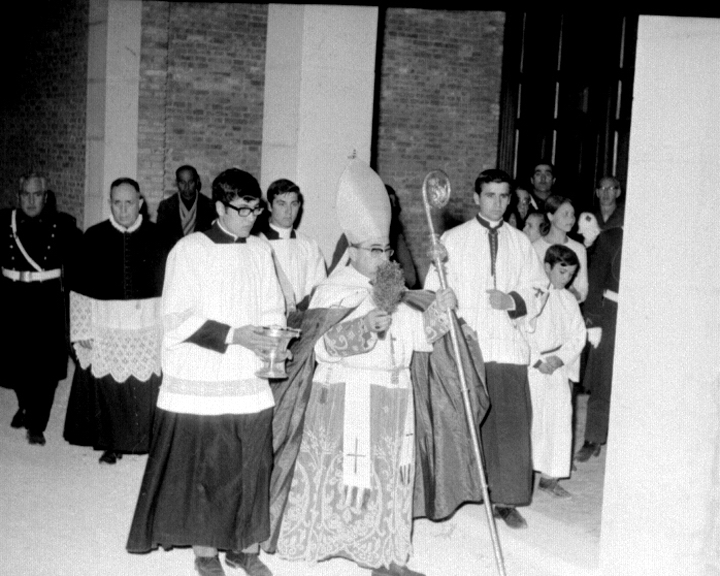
{"points": [[550, 364]]}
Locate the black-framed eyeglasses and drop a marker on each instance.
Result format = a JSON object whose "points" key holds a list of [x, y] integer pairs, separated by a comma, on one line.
{"points": [[376, 252], [244, 211]]}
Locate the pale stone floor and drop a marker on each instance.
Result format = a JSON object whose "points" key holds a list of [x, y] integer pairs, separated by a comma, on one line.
{"points": [[63, 514]]}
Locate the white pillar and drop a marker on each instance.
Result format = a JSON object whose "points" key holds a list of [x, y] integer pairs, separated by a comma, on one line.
{"points": [[661, 485], [112, 100], [319, 88]]}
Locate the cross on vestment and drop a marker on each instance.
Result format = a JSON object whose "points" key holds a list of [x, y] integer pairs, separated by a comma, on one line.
{"points": [[356, 456]]}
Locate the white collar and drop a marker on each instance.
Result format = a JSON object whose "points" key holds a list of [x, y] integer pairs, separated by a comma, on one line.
{"points": [[135, 225], [283, 233], [219, 223]]}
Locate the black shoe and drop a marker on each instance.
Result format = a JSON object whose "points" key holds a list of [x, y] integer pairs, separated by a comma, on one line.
{"points": [[18, 420], [209, 566], [588, 449], [395, 570], [35, 438], [552, 486], [250, 563], [510, 515], [109, 457]]}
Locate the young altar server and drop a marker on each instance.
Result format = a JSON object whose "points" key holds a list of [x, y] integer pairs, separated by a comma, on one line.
{"points": [[298, 257], [497, 276], [556, 338], [208, 472], [351, 493]]}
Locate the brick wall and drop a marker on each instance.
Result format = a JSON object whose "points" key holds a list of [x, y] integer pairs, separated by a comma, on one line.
{"points": [[43, 109], [439, 108], [201, 91], [151, 101]]}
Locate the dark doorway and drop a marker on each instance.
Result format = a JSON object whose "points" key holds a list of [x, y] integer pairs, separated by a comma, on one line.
{"points": [[566, 97]]}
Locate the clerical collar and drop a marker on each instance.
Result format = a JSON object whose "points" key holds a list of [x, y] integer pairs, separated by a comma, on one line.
{"points": [[219, 235], [135, 225], [489, 224], [276, 233]]}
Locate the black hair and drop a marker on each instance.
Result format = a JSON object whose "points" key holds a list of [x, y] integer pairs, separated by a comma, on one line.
{"points": [[283, 186], [544, 226], [235, 183], [492, 175], [124, 180], [554, 201], [187, 168], [543, 162], [513, 208], [559, 254]]}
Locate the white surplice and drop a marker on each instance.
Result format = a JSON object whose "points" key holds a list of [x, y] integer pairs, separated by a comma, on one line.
{"points": [[559, 331]]}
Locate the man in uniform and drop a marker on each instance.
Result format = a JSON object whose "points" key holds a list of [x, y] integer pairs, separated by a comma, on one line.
{"points": [[600, 312], [116, 328], [39, 242], [186, 211], [300, 262]]}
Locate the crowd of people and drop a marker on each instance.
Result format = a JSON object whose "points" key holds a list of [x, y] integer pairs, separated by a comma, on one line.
{"points": [[167, 325]]}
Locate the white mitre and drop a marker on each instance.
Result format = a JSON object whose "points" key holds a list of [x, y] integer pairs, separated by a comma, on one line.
{"points": [[362, 203]]}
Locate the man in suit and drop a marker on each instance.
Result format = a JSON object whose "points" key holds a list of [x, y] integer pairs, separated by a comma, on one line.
{"points": [[542, 181], [188, 210]]}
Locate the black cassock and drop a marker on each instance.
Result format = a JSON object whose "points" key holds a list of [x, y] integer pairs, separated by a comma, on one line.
{"points": [[115, 266]]}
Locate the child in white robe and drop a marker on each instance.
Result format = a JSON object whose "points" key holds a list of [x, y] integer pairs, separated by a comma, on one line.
{"points": [[556, 341]]}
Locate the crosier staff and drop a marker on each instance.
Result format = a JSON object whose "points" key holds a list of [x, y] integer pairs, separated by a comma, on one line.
{"points": [[436, 194]]}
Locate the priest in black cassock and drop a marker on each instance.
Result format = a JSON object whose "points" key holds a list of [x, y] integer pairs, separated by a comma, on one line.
{"points": [[116, 329]]}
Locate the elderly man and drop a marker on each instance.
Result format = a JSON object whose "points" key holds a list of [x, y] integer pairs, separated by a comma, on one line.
{"points": [[186, 211], [35, 259], [542, 180], [352, 483], [610, 212], [116, 329], [300, 262]]}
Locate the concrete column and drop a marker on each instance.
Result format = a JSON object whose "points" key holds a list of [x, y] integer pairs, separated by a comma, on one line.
{"points": [[319, 87], [660, 510], [112, 100]]}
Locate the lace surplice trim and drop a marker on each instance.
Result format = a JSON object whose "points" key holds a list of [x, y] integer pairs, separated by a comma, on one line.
{"points": [[125, 336]]}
